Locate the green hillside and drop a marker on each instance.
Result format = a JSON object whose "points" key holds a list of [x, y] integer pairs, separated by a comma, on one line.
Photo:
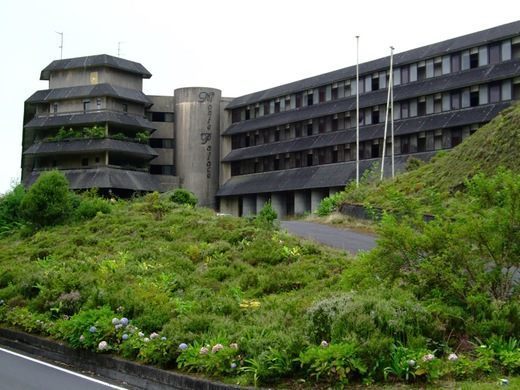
{"points": [[497, 144]]}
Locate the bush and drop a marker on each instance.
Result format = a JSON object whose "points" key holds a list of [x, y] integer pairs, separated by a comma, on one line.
{"points": [[183, 196], [48, 201], [330, 204], [267, 215], [90, 204], [11, 214]]}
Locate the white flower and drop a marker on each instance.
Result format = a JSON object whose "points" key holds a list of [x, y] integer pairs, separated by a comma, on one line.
{"points": [[216, 348], [141, 334], [233, 366], [453, 357], [103, 345], [411, 363], [118, 326], [146, 339], [183, 346], [163, 338], [428, 358], [204, 351], [115, 321], [324, 344], [233, 346], [154, 335], [81, 338]]}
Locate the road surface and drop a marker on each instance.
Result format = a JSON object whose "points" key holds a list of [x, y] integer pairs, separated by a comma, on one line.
{"points": [[20, 372], [349, 240]]}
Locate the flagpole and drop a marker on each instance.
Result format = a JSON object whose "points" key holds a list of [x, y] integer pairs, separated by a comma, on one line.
{"points": [[392, 109], [357, 110], [390, 83]]}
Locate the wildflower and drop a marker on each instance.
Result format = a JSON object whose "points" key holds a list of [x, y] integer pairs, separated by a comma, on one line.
{"points": [[118, 326], [233, 366], [81, 338], [183, 346], [411, 363], [504, 382], [140, 334], [204, 351], [92, 329], [216, 348], [324, 344], [124, 337], [428, 358], [146, 339], [124, 321], [102, 345], [453, 357], [233, 345], [115, 321], [163, 338], [120, 309], [1, 302], [154, 335]]}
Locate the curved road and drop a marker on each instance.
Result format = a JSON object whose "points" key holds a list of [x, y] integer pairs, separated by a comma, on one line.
{"points": [[20, 372], [348, 240]]}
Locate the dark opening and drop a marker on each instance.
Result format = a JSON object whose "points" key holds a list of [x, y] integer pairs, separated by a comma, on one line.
{"points": [[298, 130], [97, 160], [277, 135], [404, 110], [322, 94], [158, 116], [248, 114], [309, 160], [375, 83], [257, 112], [474, 99], [334, 124], [310, 99], [235, 168], [421, 72], [374, 153], [375, 117], [309, 129], [276, 164], [421, 144], [334, 156], [277, 107], [405, 144], [421, 108], [125, 107], [334, 93], [246, 140], [298, 100], [266, 108], [473, 61], [456, 137], [84, 162], [321, 126], [235, 116]]}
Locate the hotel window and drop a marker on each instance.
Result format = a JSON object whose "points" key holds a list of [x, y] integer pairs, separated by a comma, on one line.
{"points": [[375, 82], [321, 125], [455, 62], [437, 67], [55, 108], [86, 105], [310, 99], [429, 69], [505, 52], [404, 109], [298, 100], [266, 108], [455, 100], [309, 159], [474, 99], [98, 103], [348, 90], [334, 92], [456, 136], [473, 59], [405, 144], [309, 128], [494, 53], [405, 74], [375, 115], [257, 111], [421, 71], [125, 107], [298, 130], [235, 116], [494, 92], [84, 162], [446, 62], [321, 93], [248, 114], [334, 123], [277, 106], [287, 103], [368, 83]]}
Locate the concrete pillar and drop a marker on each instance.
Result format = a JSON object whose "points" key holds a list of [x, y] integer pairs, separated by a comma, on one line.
{"points": [[261, 199], [229, 205], [300, 206], [279, 204], [248, 205], [316, 198]]}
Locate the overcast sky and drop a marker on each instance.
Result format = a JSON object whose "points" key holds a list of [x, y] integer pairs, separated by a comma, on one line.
{"points": [[237, 46]]}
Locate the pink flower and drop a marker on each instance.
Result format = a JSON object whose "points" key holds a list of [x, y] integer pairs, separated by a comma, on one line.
{"points": [[103, 345], [428, 358]]}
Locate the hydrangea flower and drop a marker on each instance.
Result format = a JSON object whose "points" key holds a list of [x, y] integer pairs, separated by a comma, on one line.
{"points": [[163, 338], [124, 337], [118, 326], [140, 334], [102, 345], [183, 346], [124, 321], [233, 345], [154, 335], [324, 344], [92, 329], [1, 302], [453, 357], [411, 363], [81, 338], [115, 321], [146, 339], [233, 366], [204, 351], [428, 358], [216, 348]]}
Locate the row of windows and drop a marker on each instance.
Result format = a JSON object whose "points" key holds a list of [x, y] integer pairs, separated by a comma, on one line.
{"points": [[406, 144], [433, 67], [162, 143], [160, 116], [425, 105], [163, 170]]}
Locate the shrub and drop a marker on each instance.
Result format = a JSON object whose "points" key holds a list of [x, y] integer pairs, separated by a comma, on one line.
{"points": [[48, 201], [90, 204], [183, 196], [142, 137], [11, 214], [267, 215], [330, 204]]}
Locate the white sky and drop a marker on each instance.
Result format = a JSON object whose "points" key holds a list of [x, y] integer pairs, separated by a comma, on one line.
{"points": [[237, 46]]}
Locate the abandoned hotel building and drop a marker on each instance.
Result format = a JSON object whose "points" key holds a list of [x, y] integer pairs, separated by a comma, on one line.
{"points": [[293, 144]]}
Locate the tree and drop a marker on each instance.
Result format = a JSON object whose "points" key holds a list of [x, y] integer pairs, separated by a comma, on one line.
{"points": [[48, 201]]}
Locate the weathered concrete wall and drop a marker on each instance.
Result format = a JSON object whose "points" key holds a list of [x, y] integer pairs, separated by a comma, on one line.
{"points": [[91, 76], [197, 134]]}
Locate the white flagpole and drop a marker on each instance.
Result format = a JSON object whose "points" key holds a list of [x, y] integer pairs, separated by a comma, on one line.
{"points": [[392, 111], [357, 110], [390, 83]]}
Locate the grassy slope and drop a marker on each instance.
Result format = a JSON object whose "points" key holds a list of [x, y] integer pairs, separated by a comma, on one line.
{"points": [[495, 144]]}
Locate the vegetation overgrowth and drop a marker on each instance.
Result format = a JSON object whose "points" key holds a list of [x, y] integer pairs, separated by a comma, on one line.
{"points": [[237, 299]]}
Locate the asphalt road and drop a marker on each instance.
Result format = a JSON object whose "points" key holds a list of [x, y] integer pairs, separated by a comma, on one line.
{"points": [[348, 240], [19, 372]]}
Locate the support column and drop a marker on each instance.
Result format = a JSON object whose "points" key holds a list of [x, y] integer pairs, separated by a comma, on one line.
{"points": [[261, 199], [229, 205], [279, 204], [248, 205], [300, 206], [316, 198]]}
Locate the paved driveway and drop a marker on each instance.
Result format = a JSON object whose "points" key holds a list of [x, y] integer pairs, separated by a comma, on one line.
{"points": [[348, 240]]}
